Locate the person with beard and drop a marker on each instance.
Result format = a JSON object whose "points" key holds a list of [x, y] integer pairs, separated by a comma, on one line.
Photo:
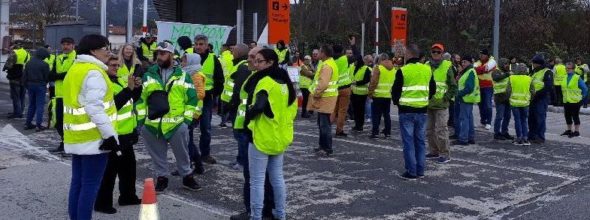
{"points": [[169, 101], [213, 88], [147, 49], [244, 138]]}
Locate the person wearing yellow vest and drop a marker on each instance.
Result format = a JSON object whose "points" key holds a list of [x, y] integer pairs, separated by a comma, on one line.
{"points": [[584, 72], [226, 59], [520, 90], [186, 45], [213, 87], [63, 63], [129, 63], [575, 92], [147, 49], [382, 80], [14, 70], [467, 96], [413, 87], [438, 113], [560, 73], [360, 88], [90, 122], [344, 91], [121, 164], [51, 85], [501, 99], [484, 68], [323, 97], [270, 116], [167, 105], [283, 53], [543, 83], [305, 78]]}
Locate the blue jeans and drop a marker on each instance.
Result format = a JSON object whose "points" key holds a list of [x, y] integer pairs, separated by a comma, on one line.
{"points": [[466, 126], [243, 141], [17, 94], [368, 108], [413, 132], [36, 104], [381, 108], [502, 118], [205, 140], [485, 106], [537, 117], [521, 115], [259, 164], [456, 113], [87, 172], [325, 132]]}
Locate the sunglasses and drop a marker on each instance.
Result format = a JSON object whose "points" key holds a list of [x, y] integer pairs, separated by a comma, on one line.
{"points": [[436, 52]]}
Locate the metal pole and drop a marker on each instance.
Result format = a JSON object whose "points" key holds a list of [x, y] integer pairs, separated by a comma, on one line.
{"points": [[255, 27], [239, 26], [130, 22], [497, 29], [363, 39], [77, 7], [103, 17], [144, 26], [377, 27]]}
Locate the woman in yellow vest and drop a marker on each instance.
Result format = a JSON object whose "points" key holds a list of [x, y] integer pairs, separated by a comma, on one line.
{"points": [[89, 123], [520, 90], [129, 63], [270, 115], [121, 164], [574, 92]]}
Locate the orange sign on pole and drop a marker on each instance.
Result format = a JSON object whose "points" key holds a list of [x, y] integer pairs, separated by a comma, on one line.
{"points": [[279, 21], [399, 24]]}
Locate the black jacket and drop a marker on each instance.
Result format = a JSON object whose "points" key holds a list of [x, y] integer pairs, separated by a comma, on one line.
{"points": [[239, 78], [36, 71]]}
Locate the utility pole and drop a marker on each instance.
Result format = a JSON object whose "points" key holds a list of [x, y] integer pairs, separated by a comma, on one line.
{"points": [[130, 22], [377, 27], [144, 26], [497, 29], [103, 17]]}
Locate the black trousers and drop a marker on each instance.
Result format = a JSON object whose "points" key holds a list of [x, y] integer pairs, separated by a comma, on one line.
{"points": [[358, 108], [572, 113], [59, 118], [124, 167], [558, 97], [50, 105], [305, 94], [380, 109]]}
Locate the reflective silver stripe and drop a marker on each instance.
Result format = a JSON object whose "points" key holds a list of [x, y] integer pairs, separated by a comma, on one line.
{"points": [[441, 84], [228, 93], [382, 91], [241, 113], [519, 101], [141, 112], [189, 113], [231, 84], [523, 95], [245, 101], [183, 84], [149, 82], [361, 89], [121, 117], [425, 99], [86, 126], [330, 90], [415, 88], [168, 120], [81, 111]]}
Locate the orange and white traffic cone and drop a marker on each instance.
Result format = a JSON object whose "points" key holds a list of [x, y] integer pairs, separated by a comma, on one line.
{"points": [[149, 205]]}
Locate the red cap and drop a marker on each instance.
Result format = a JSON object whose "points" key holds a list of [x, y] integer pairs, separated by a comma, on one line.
{"points": [[439, 46]]}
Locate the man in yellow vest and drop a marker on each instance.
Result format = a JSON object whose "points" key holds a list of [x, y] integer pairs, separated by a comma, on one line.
{"points": [[467, 96], [147, 49], [484, 68], [344, 82], [14, 70], [438, 114], [283, 53], [226, 59], [186, 45], [543, 83], [501, 99], [324, 95], [520, 89], [382, 80], [63, 62], [583, 70], [305, 78], [560, 73], [413, 87], [51, 90], [213, 87]]}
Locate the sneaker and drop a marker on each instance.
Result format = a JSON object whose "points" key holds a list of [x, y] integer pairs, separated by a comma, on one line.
{"points": [[373, 136], [518, 142], [58, 149], [209, 159], [457, 142], [241, 216], [526, 143], [574, 134], [341, 134], [129, 201], [488, 127], [161, 184], [315, 150], [386, 136], [471, 142], [223, 125], [39, 129], [105, 210], [199, 170], [29, 127], [508, 136], [499, 137], [431, 156], [566, 133], [188, 182], [324, 153], [443, 160], [537, 141], [407, 176], [453, 137]]}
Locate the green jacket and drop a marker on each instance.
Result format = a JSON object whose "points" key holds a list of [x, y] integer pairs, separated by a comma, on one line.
{"points": [[451, 90]]}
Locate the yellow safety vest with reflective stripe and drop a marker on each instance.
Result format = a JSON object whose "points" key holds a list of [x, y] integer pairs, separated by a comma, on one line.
{"points": [[538, 79], [22, 56], [440, 77], [228, 86], [415, 89], [304, 81], [520, 95], [486, 75], [282, 54], [344, 78], [62, 65], [50, 61], [241, 113], [571, 92], [332, 89], [78, 128], [386, 79], [500, 86], [560, 74], [226, 59], [126, 118], [272, 136], [148, 51], [208, 69], [124, 71], [473, 97], [359, 76]]}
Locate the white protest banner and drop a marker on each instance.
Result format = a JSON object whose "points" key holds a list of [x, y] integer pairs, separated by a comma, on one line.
{"points": [[171, 31]]}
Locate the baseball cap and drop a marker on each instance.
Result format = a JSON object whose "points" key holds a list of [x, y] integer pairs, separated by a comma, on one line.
{"points": [[439, 46], [307, 57], [165, 46]]}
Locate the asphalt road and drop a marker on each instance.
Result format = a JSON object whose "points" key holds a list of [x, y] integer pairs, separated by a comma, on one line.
{"points": [[489, 180]]}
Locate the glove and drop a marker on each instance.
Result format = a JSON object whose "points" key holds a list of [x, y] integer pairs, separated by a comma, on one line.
{"points": [[110, 144]]}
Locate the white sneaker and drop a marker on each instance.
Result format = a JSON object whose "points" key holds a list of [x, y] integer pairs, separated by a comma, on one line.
{"points": [[488, 127]]}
